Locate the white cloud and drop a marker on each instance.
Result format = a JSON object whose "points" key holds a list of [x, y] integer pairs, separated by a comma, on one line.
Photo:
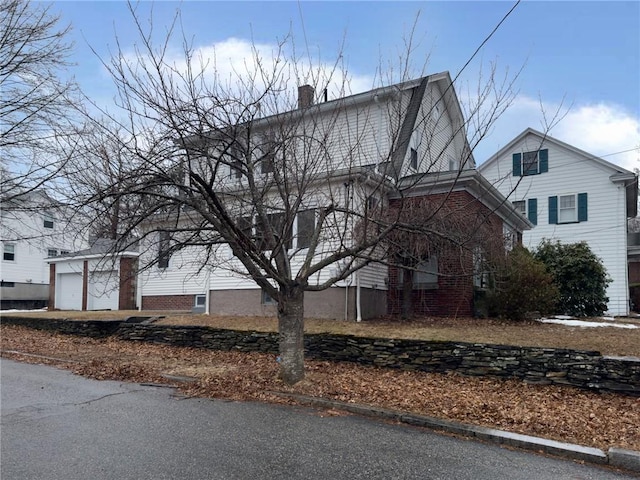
{"points": [[242, 69], [601, 129]]}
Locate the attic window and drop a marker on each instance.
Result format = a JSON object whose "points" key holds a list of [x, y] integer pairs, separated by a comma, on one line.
{"points": [[413, 159], [48, 220], [530, 163]]}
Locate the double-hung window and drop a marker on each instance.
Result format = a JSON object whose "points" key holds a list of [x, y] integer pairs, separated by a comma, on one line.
{"points": [[568, 208], [530, 163], [9, 252]]}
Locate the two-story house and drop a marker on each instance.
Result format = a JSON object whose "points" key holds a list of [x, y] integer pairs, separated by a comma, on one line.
{"points": [[571, 196], [32, 229], [364, 153]]}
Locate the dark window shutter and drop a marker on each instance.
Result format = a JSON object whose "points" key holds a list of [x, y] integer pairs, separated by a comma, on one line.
{"points": [[543, 156], [553, 209], [582, 207], [532, 210], [517, 164]]}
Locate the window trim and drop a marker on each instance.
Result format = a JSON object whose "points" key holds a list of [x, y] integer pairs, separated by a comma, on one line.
{"points": [[52, 252]]}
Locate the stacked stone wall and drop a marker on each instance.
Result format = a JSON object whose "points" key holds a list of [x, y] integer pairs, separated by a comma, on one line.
{"points": [[582, 369]]}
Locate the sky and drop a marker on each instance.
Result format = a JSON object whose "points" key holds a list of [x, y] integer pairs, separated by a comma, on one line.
{"points": [[581, 59]]}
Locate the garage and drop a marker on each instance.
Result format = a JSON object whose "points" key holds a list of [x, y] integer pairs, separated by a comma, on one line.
{"points": [[103, 291], [69, 293], [93, 279]]}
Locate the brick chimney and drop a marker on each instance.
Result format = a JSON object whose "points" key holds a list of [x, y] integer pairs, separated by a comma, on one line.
{"points": [[305, 96]]}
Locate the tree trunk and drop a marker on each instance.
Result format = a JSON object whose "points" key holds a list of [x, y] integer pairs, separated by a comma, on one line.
{"points": [[291, 333], [407, 294]]}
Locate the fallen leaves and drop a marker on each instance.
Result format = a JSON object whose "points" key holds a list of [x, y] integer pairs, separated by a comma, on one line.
{"points": [[560, 413]]}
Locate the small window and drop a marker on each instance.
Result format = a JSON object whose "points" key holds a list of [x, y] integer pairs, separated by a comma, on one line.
{"points": [[521, 206], [64, 252], [52, 252], [413, 159], [48, 220], [201, 300], [267, 299], [454, 165], [9, 252], [530, 163], [163, 250], [567, 209]]}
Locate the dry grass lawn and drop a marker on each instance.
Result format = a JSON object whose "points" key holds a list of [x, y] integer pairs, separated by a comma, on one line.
{"points": [[608, 341]]}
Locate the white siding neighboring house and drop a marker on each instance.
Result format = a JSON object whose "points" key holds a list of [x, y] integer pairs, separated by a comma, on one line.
{"points": [[32, 229], [571, 196]]}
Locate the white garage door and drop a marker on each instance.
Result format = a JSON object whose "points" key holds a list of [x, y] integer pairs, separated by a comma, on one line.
{"points": [[69, 291], [103, 291]]}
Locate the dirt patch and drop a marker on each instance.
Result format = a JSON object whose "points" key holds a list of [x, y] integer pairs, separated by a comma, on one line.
{"points": [[559, 413]]}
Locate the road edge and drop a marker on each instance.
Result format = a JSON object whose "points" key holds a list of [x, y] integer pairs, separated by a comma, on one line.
{"points": [[615, 457]]}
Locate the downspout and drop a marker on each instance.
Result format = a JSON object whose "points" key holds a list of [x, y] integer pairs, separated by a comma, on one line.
{"points": [[139, 289], [208, 292], [358, 305]]}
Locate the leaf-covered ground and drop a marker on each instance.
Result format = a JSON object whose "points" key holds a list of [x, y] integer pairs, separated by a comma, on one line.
{"points": [[559, 413]]}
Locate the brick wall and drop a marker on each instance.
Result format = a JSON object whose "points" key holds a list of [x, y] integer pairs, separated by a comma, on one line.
{"points": [[463, 218], [127, 292], [168, 302]]}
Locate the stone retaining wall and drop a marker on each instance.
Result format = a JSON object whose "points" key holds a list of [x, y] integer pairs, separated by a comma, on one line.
{"points": [[583, 369]]}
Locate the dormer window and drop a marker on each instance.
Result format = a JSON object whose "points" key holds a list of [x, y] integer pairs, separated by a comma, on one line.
{"points": [[530, 163]]}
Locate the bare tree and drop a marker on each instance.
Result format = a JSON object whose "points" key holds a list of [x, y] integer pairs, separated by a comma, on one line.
{"points": [[35, 106], [252, 175]]}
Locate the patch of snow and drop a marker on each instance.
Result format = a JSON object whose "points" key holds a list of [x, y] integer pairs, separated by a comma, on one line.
{"points": [[563, 317], [609, 319], [582, 323]]}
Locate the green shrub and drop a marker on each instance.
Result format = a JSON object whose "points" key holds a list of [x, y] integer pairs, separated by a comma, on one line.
{"points": [[579, 275], [522, 286]]}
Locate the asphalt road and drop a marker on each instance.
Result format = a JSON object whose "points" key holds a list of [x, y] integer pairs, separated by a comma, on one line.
{"points": [[59, 426]]}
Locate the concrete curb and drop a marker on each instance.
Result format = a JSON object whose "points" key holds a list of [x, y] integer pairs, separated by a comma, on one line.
{"points": [[616, 457]]}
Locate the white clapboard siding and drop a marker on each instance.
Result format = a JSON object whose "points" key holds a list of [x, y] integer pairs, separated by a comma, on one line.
{"points": [[572, 173]]}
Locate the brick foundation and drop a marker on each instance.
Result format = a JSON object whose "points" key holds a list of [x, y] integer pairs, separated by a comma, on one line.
{"points": [[168, 302]]}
